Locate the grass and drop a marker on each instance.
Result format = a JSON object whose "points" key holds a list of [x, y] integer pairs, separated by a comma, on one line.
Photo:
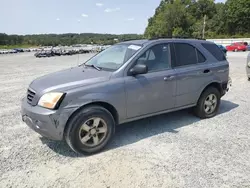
{"points": [[16, 46]]}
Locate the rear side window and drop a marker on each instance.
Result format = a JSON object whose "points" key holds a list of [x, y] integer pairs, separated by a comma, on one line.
{"points": [[215, 51], [187, 54]]}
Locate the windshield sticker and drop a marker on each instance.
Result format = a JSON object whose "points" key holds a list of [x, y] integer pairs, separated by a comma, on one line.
{"points": [[134, 47], [165, 48]]}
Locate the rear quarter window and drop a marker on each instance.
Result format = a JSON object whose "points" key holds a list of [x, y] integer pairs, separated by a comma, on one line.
{"points": [[215, 51], [200, 57]]}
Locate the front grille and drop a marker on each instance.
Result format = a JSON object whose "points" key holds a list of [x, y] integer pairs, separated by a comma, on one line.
{"points": [[30, 96]]}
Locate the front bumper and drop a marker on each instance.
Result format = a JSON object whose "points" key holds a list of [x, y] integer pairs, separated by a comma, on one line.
{"points": [[48, 123]]}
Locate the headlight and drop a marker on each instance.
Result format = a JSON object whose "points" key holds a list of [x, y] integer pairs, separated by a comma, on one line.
{"points": [[50, 100], [248, 64]]}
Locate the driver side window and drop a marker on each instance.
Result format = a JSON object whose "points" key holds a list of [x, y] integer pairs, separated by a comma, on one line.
{"points": [[156, 58]]}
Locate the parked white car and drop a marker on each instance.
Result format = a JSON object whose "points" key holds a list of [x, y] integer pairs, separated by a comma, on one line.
{"points": [[4, 51]]}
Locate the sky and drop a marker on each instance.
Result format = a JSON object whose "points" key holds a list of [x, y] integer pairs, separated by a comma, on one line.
{"points": [[76, 16]]}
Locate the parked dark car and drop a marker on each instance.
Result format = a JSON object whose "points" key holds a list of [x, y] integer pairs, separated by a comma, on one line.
{"points": [[44, 53], [222, 48], [12, 51], [126, 82], [84, 51], [18, 50]]}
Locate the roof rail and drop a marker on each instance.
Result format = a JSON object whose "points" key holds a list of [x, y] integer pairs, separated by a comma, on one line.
{"points": [[175, 37], [125, 40]]}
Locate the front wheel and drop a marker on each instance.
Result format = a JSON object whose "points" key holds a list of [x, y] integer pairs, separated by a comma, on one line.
{"points": [[90, 130], [208, 103]]}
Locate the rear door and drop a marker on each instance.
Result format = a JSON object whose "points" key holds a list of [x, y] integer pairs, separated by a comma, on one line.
{"points": [[192, 72]]}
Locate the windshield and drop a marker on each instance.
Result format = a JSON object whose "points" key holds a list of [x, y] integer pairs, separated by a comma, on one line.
{"points": [[113, 57]]}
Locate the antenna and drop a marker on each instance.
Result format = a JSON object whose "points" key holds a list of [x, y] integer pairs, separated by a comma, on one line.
{"points": [[78, 52]]}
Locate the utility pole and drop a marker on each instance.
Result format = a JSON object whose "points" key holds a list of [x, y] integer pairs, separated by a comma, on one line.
{"points": [[79, 35], [204, 26]]}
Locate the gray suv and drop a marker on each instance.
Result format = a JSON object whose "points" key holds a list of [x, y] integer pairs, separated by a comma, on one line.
{"points": [[128, 81]]}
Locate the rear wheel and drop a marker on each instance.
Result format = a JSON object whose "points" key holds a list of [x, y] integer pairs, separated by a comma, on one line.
{"points": [[90, 130], [208, 103]]}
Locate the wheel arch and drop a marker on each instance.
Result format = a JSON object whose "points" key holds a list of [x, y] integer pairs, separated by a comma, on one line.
{"points": [[216, 85], [105, 105]]}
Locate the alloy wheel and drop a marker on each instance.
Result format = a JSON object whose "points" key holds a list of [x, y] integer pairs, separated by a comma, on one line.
{"points": [[210, 104], [93, 132]]}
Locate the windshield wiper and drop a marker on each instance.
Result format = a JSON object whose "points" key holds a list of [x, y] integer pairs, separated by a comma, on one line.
{"points": [[94, 66]]}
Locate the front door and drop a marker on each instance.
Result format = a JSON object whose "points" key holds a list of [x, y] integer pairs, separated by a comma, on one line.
{"points": [[154, 91]]}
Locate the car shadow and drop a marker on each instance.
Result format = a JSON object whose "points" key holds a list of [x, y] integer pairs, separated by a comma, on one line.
{"points": [[227, 106], [133, 132], [60, 147]]}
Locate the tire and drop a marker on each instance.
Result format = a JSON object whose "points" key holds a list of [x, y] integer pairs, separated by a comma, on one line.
{"points": [[200, 111], [248, 78], [75, 132]]}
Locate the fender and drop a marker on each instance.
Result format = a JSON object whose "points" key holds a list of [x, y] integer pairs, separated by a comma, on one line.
{"points": [[113, 100], [215, 84]]}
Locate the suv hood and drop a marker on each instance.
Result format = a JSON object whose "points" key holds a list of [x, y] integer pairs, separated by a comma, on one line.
{"points": [[69, 78]]}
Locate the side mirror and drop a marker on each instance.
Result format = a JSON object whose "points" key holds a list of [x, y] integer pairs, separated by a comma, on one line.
{"points": [[138, 69]]}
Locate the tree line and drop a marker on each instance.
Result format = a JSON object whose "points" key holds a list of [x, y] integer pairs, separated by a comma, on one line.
{"points": [[64, 39], [186, 18], [200, 19]]}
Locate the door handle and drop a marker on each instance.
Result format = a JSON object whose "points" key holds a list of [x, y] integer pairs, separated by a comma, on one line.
{"points": [[206, 71], [222, 70], [168, 78]]}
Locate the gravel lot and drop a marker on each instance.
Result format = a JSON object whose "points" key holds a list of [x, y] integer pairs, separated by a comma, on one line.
{"points": [[171, 150]]}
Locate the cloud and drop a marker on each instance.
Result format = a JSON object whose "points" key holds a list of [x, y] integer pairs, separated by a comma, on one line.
{"points": [[85, 15], [112, 9], [58, 19], [99, 4], [130, 19], [78, 20]]}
